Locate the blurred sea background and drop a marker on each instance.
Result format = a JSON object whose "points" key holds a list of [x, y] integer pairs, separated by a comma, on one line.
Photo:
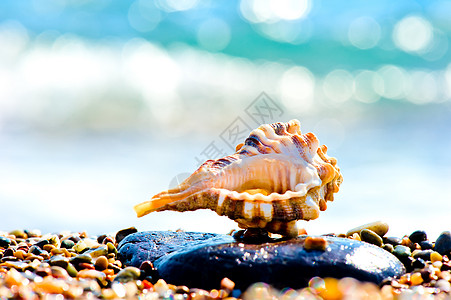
{"points": [[105, 103]]}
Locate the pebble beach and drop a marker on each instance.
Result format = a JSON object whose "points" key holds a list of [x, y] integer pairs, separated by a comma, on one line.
{"points": [[76, 265]]}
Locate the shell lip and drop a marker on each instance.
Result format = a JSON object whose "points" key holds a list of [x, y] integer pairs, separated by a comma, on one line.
{"points": [[274, 196]]}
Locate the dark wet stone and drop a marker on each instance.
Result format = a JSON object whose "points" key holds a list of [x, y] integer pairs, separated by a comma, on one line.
{"points": [[371, 237], [388, 247], [182, 259], [418, 263], [423, 254], [395, 241], [121, 234], [68, 244], [42, 243], [4, 242], [401, 251], [426, 245], [418, 236], [252, 236], [151, 245], [443, 243]]}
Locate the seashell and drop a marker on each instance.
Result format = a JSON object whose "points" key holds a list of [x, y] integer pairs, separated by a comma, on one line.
{"points": [[277, 176]]}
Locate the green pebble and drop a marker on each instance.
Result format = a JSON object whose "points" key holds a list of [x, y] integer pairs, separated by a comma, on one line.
{"points": [[68, 244], [96, 252], [71, 270], [128, 274], [80, 246], [111, 248], [59, 260], [81, 258], [401, 251], [388, 247], [371, 237], [19, 234]]}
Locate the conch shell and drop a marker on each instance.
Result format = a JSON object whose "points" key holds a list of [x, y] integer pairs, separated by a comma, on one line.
{"points": [[278, 176]]}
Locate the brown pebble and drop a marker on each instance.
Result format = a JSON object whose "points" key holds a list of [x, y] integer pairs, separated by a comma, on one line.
{"points": [[315, 243], [58, 272], [84, 265], [20, 254], [48, 247], [227, 284], [101, 263], [380, 228], [33, 257], [182, 290], [121, 234]]}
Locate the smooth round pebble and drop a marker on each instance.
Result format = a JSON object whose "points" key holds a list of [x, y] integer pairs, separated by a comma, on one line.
{"points": [[121, 234], [371, 237], [101, 263], [379, 227], [423, 254], [443, 243], [395, 241], [68, 244], [418, 236], [426, 245], [402, 251], [128, 274], [4, 242], [19, 234]]}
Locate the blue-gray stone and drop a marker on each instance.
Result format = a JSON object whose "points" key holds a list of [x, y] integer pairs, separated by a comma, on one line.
{"points": [[136, 248], [443, 243], [182, 260]]}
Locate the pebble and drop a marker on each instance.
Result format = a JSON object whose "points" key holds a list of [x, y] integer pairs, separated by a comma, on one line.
{"points": [[395, 241], [418, 236], [67, 244], [315, 243], [371, 237], [379, 227], [402, 251], [443, 243], [423, 254], [121, 234], [101, 263], [128, 274], [151, 245]]}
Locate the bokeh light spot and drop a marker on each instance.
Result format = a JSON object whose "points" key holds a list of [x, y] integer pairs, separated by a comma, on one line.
{"points": [[290, 9], [338, 85], [297, 87], [270, 11], [213, 34], [143, 16], [394, 82], [13, 39], [423, 88], [364, 32], [366, 84], [176, 5], [413, 34]]}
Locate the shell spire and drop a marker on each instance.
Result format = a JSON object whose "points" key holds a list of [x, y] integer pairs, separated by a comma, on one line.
{"points": [[277, 176]]}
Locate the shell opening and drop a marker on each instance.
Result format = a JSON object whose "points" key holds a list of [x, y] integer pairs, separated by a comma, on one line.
{"points": [[266, 179]]}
